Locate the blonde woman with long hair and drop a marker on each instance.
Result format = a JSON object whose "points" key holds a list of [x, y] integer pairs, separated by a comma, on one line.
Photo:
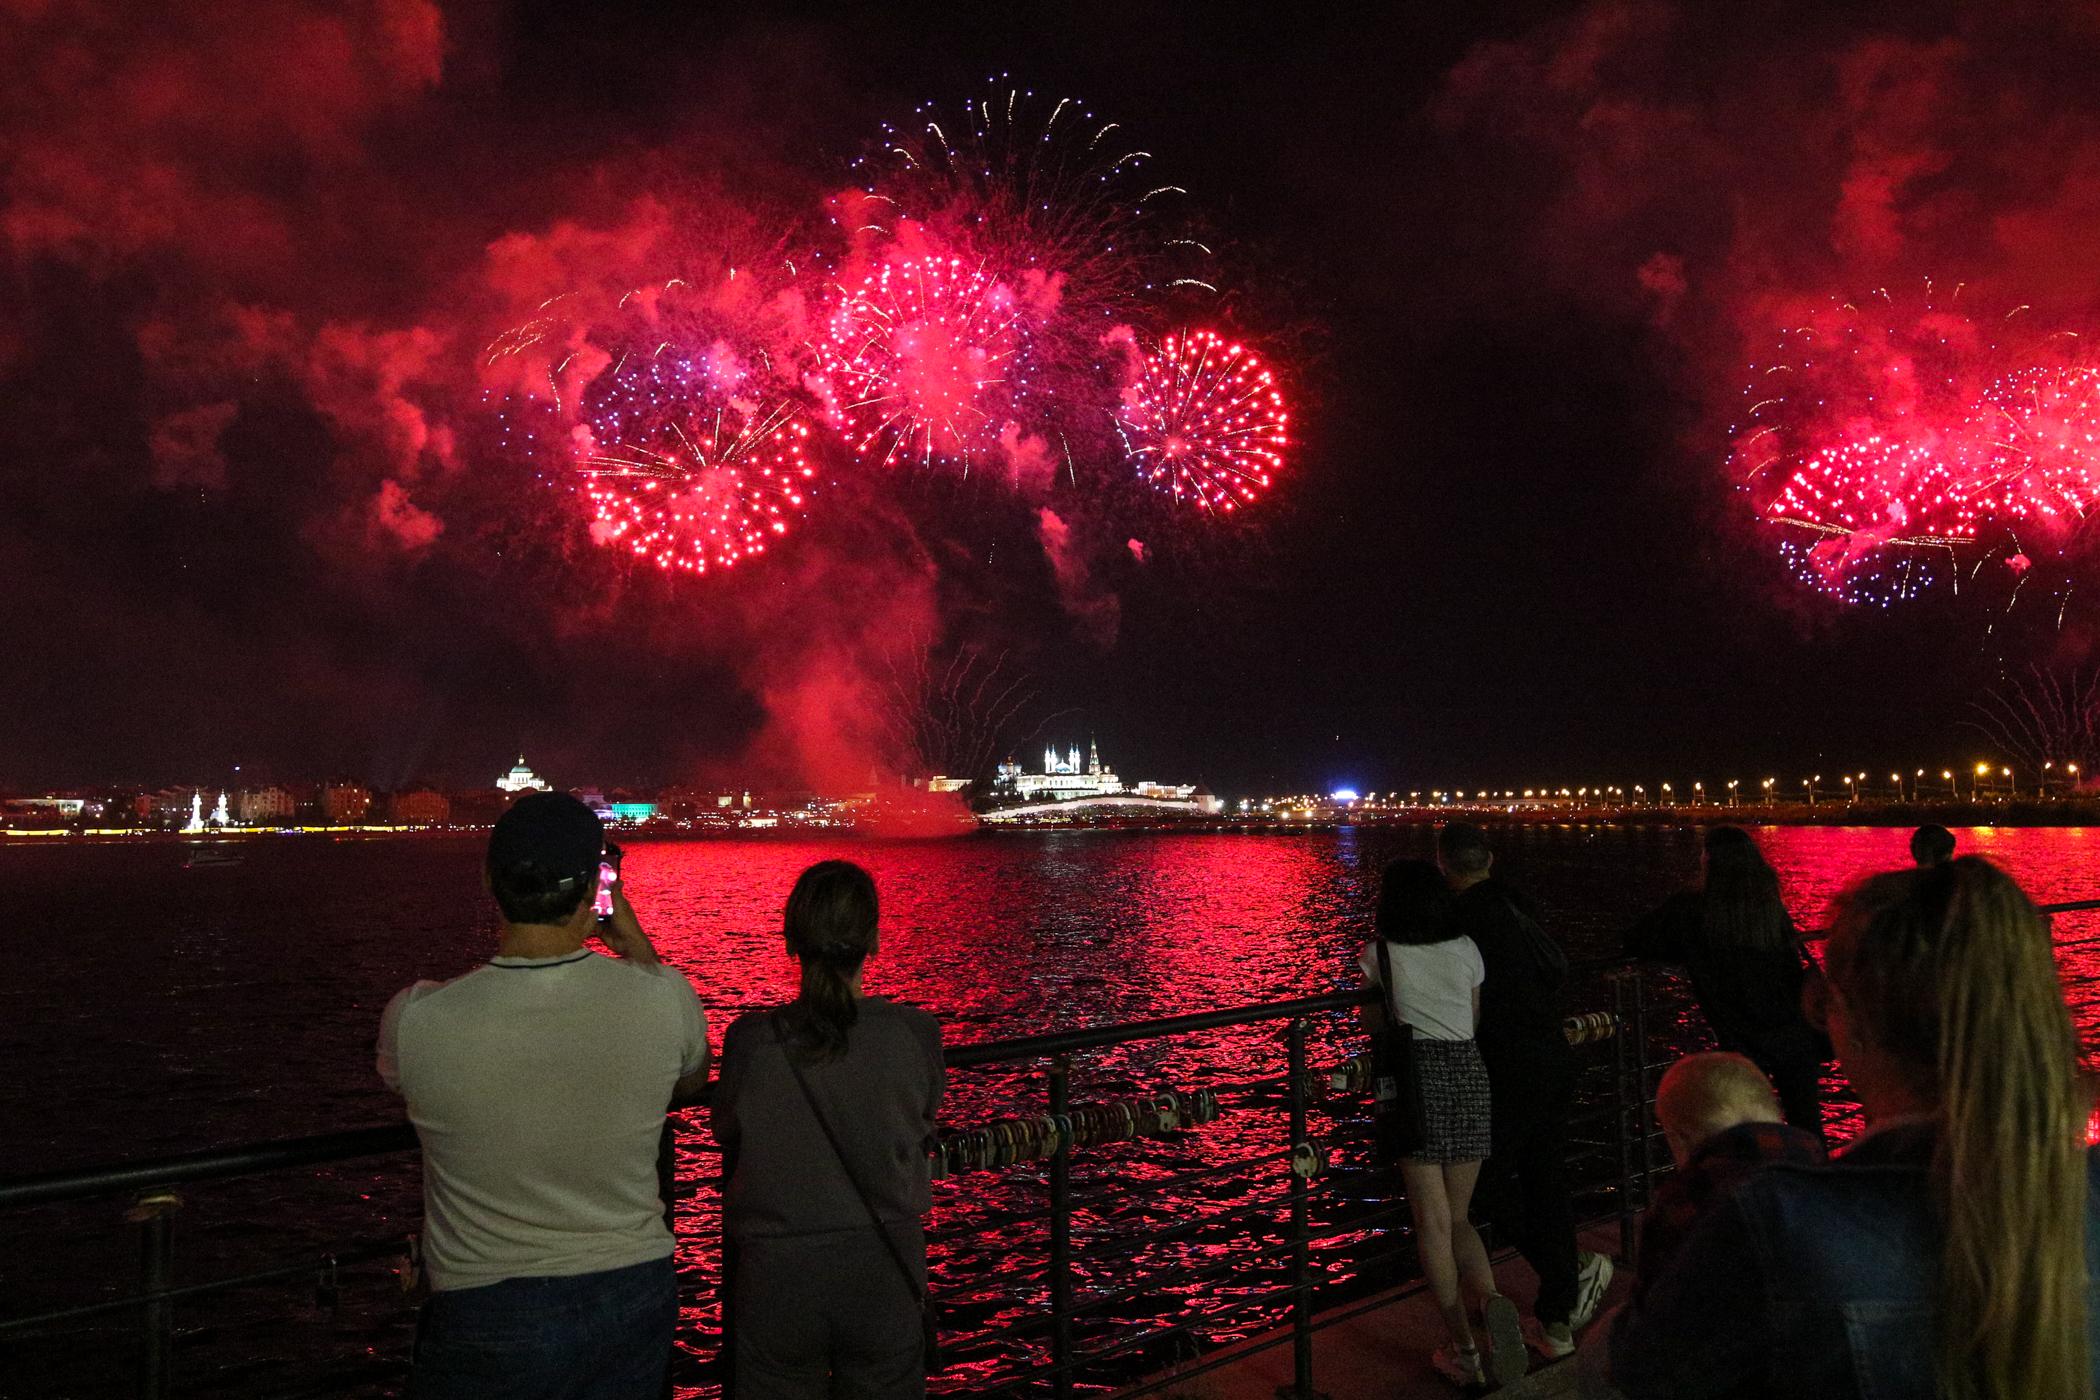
{"points": [[1949, 1253]]}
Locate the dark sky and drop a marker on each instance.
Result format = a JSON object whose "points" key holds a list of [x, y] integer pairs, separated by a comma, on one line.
{"points": [[1512, 263]]}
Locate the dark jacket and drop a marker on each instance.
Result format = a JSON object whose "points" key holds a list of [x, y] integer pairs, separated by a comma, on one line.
{"points": [[1721, 1163], [1751, 996], [880, 1098], [1815, 1283], [1521, 1005]]}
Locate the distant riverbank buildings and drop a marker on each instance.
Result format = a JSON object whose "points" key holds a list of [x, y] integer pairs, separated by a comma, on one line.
{"points": [[1066, 779]]}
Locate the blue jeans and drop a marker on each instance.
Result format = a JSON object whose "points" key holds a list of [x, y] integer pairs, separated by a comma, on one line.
{"points": [[604, 1336]]}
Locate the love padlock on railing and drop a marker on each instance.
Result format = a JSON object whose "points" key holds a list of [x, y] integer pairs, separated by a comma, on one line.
{"points": [[1308, 1159]]}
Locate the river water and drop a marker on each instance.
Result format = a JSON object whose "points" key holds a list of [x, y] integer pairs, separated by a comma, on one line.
{"points": [[155, 1009]]}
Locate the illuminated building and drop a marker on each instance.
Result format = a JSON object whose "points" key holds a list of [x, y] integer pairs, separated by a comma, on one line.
{"points": [[346, 804], [270, 806], [419, 807], [1062, 778], [522, 779]]}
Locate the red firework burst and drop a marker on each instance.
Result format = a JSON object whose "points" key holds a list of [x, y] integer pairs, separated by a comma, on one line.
{"points": [[1875, 513], [2043, 430], [925, 360], [1205, 422], [698, 489]]}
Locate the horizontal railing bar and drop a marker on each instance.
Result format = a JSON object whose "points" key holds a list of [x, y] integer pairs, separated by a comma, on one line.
{"points": [[1029, 1047], [214, 1164], [358, 1254], [281, 1153]]}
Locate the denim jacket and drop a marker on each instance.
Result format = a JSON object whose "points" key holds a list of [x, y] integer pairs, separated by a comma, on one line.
{"points": [[1815, 1282]]}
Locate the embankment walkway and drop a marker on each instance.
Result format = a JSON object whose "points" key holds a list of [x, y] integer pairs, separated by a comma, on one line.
{"points": [[1377, 1348]]}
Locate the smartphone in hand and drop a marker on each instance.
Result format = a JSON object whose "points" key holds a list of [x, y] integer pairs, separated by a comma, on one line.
{"points": [[608, 876]]}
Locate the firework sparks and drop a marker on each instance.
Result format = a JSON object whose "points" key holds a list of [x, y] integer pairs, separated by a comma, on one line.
{"points": [[687, 484], [926, 361], [1205, 422], [1873, 512], [2043, 425], [1046, 192]]}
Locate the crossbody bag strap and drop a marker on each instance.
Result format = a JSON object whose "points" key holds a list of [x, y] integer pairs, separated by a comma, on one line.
{"points": [[882, 1230]]}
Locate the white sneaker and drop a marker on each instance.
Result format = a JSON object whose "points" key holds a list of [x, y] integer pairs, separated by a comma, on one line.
{"points": [[1553, 1341], [1507, 1361], [1592, 1278], [1461, 1368]]}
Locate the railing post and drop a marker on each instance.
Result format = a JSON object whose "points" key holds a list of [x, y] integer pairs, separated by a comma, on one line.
{"points": [[667, 1192], [1301, 1386], [1624, 1091], [1061, 1233], [1643, 1100], [154, 1213]]}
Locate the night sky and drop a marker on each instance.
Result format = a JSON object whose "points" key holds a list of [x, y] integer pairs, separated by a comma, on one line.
{"points": [[1512, 266]]}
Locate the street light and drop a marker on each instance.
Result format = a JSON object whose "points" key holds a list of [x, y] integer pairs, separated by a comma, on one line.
{"points": [[1768, 790], [1731, 792]]}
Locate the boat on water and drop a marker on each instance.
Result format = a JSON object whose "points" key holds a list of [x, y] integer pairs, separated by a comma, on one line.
{"points": [[205, 857]]}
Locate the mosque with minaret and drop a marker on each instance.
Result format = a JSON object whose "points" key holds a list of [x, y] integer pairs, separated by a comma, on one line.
{"points": [[1062, 778]]}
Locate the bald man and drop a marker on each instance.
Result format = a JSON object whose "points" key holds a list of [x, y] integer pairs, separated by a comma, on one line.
{"points": [[1722, 1122]]}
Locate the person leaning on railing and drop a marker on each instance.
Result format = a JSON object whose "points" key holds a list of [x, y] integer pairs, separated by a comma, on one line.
{"points": [[825, 1112], [1733, 935], [1531, 1071], [1950, 1252], [537, 1084]]}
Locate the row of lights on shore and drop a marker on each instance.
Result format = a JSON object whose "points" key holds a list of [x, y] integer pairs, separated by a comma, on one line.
{"points": [[1986, 780]]}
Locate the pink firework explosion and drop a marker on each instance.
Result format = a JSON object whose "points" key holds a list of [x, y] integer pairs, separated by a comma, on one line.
{"points": [[2042, 427], [925, 361], [699, 488], [1205, 422], [1868, 517]]}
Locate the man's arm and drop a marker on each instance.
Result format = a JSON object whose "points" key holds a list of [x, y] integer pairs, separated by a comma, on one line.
{"points": [[691, 1087], [388, 1058]]}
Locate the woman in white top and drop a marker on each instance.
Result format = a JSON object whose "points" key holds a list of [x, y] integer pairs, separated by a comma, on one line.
{"points": [[1436, 991]]}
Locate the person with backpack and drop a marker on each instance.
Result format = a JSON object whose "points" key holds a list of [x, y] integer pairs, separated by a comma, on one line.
{"points": [[1531, 1080]]}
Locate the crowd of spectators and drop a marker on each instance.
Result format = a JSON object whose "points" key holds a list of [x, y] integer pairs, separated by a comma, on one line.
{"points": [[1949, 1250]]}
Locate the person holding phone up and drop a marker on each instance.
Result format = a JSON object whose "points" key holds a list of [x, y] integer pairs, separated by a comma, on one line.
{"points": [[537, 1084]]}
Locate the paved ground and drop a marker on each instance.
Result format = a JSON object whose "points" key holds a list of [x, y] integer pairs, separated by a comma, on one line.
{"points": [[1382, 1352]]}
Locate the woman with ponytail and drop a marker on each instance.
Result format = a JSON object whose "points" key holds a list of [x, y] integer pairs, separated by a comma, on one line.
{"points": [[825, 1112], [1950, 1253]]}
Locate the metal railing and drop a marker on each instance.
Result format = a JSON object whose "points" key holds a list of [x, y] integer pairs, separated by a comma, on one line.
{"points": [[1616, 1126], [1060, 1359]]}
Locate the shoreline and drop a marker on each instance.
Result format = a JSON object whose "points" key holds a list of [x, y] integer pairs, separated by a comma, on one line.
{"points": [[2017, 814]]}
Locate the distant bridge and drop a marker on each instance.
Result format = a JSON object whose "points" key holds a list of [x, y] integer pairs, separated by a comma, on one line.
{"points": [[1089, 804]]}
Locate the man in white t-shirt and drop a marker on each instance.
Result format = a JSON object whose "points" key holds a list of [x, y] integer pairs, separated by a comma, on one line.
{"points": [[538, 1085]]}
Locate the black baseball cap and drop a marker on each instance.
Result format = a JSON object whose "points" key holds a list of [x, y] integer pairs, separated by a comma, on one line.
{"points": [[552, 832]]}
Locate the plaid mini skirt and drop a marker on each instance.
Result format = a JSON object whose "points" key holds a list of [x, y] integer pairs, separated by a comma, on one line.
{"points": [[1455, 1122]]}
